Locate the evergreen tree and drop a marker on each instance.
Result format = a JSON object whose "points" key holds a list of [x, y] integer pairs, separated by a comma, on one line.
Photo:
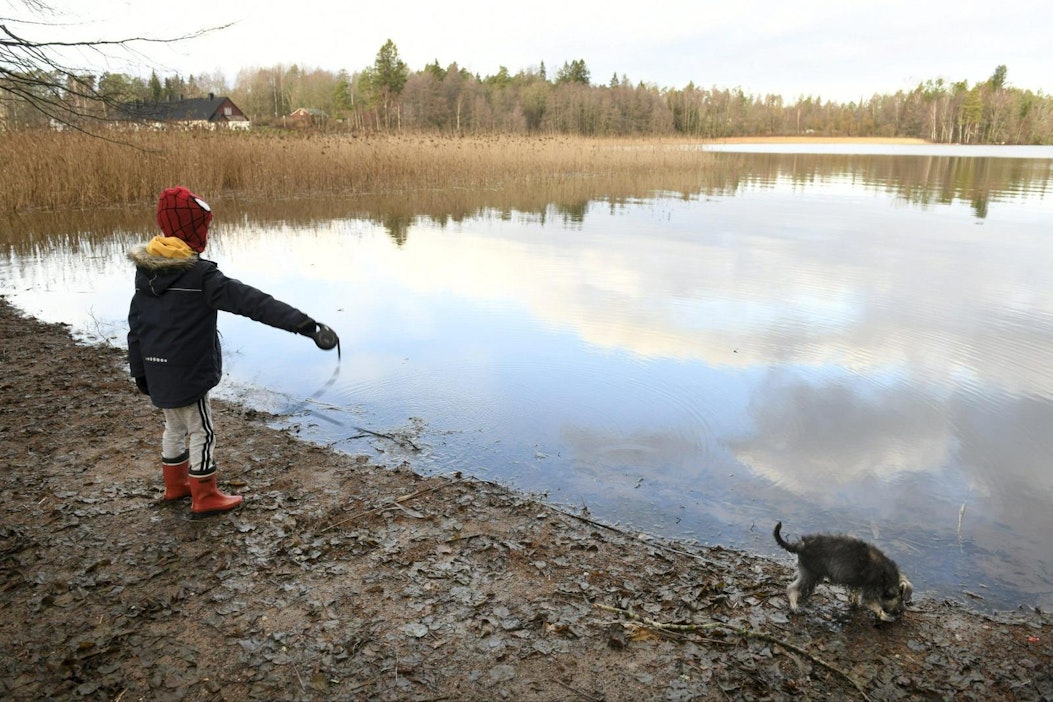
{"points": [[155, 87], [386, 79], [573, 72]]}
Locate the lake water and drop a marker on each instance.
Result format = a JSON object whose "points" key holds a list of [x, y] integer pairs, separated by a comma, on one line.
{"points": [[858, 342]]}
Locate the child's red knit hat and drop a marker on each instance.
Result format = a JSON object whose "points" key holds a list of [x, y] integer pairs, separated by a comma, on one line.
{"points": [[182, 214]]}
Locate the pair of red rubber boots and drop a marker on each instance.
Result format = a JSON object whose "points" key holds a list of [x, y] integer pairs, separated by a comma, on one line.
{"points": [[205, 496]]}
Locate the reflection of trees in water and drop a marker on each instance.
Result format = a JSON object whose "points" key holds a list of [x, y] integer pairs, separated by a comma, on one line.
{"points": [[979, 204], [573, 212], [395, 211], [920, 180], [398, 226]]}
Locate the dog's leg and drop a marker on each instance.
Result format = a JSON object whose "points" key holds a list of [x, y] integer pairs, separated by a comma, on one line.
{"points": [[906, 589], [801, 588], [793, 592]]}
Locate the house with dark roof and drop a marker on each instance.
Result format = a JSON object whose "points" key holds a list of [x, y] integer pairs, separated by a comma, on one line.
{"points": [[208, 113]]}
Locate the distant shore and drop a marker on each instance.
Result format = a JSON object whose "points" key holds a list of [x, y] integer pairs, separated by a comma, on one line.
{"points": [[815, 140]]}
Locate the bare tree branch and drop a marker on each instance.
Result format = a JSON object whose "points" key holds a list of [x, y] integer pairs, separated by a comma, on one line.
{"points": [[36, 79]]}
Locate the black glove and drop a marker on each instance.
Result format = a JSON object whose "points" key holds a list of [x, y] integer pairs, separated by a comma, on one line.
{"points": [[324, 337], [140, 382]]}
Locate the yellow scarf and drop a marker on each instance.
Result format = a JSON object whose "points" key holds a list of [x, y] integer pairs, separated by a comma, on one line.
{"points": [[169, 247]]}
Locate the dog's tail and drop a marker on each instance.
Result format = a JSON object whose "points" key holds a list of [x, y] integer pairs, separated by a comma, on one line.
{"points": [[791, 547]]}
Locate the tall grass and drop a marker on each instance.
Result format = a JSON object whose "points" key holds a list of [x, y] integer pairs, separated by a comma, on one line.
{"points": [[56, 171]]}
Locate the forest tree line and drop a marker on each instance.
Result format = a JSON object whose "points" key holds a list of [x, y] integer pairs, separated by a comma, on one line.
{"points": [[388, 96]]}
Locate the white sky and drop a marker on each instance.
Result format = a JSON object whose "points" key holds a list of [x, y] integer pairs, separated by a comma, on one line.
{"points": [[837, 50]]}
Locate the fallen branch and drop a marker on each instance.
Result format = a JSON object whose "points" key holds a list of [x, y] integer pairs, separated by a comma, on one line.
{"points": [[617, 530], [401, 441], [748, 633], [390, 504]]}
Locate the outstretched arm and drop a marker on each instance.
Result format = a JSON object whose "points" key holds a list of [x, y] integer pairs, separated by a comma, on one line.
{"points": [[231, 295]]}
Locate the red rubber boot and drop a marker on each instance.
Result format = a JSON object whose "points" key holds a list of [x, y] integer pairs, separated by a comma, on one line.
{"points": [[207, 499], [177, 485]]}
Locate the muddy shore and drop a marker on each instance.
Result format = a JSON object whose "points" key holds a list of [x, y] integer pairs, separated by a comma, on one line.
{"points": [[344, 579]]}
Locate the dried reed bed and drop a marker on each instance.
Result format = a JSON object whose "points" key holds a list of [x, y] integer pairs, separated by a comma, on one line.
{"points": [[55, 171]]}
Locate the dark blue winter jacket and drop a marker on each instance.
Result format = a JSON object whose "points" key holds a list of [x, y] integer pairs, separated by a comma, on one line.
{"points": [[172, 337]]}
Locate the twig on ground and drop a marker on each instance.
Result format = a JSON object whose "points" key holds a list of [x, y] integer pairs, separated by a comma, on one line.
{"points": [[617, 530], [401, 441], [390, 504]]}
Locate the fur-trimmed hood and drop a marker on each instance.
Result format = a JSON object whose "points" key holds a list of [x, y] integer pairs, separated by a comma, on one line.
{"points": [[154, 273], [152, 262]]}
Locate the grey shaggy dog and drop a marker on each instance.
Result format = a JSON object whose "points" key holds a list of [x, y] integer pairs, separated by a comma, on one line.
{"points": [[873, 578]]}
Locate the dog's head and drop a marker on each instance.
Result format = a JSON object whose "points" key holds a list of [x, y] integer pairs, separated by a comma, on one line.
{"points": [[894, 599]]}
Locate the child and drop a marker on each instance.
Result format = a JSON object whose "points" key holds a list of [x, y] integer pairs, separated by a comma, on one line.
{"points": [[173, 344]]}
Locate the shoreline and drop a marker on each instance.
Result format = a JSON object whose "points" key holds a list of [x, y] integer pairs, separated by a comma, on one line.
{"points": [[895, 141], [343, 578]]}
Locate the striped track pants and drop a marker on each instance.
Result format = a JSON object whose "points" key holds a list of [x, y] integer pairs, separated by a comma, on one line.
{"points": [[190, 428]]}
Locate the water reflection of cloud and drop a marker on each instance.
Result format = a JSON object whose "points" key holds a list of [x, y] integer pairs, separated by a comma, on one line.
{"points": [[911, 321], [813, 437], [935, 306]]}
